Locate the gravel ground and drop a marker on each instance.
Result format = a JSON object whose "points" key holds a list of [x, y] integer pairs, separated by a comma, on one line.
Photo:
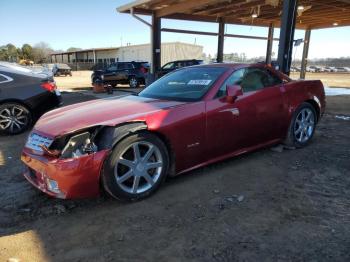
{"points": [[270, 205]]}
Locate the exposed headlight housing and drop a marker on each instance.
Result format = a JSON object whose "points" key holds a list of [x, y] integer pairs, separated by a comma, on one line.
{"points": [[79, 145]]}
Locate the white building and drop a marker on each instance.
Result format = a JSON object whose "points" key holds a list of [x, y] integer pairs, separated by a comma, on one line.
{"points": [[86, 59]]}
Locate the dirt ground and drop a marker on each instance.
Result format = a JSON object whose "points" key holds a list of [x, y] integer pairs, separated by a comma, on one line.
{"points": [[292, 205], [329, 79]]}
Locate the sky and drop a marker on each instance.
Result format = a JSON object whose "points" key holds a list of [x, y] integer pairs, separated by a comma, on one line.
{"points": [[96, 23]]}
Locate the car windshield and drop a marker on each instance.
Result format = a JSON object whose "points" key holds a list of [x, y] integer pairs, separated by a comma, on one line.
{"points": [[188, 84]]}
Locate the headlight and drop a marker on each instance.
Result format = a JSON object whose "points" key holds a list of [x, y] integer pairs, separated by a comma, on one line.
{"points": [[78, 145]]}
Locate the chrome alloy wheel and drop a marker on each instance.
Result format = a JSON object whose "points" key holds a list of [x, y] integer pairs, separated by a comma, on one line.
{"points": [[138, 167], [304, 125], [133, 82], [13, 118]]}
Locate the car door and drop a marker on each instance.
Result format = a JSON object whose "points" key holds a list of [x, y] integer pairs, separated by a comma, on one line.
{"points": [[110, 74], [122, 72], [256, 117], [264, 92], [227, 122]]}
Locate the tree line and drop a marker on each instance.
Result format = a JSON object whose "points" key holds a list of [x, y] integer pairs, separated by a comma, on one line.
{"points": [[39, 53]]}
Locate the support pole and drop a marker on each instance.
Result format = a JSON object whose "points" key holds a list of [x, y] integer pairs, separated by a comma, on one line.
{"points": [[76, 61], [156, 44], [94, 52], [269, 44], [221, 35], [305, 53], [285, 49]]}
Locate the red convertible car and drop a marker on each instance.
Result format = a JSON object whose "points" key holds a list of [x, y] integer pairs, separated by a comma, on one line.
{"points": [[190, 118]]}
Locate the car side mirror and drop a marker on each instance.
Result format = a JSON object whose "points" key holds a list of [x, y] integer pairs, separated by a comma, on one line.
{"points": [[232, 92]]}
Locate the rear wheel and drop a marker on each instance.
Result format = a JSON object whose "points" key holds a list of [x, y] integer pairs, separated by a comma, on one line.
{"points": [[133, 82], [136, 167], [114, 85], [14, 118], [302, 126]]}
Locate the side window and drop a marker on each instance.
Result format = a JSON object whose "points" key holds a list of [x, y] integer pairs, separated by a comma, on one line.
{"points": [[179, 65], [113, 67], [129, 66], [169, 66], [273, 80], [234, 79], [120, 66], [254, 79]]}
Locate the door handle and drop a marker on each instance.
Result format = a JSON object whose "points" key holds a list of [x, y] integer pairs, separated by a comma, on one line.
{"points": [[234, 111]]}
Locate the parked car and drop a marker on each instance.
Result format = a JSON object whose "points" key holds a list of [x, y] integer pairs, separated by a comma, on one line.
{"points": [[171, 66], [313, 69], [61, 69], [343, 69], [132, 73], [189, 118], [24, 97], [329, 69]]}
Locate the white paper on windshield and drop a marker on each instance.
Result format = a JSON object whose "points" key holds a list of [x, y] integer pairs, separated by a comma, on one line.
{"points": [[199, 82]]}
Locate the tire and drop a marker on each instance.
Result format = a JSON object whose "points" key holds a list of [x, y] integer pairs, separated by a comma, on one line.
{"points": [[302, 126], [96, 79], [114, 85], [14, 118], [133, 82], [120, 165], [58, 74]]}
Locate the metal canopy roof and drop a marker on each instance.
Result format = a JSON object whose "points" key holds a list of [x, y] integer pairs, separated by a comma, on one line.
{"points": [[312, 14]]}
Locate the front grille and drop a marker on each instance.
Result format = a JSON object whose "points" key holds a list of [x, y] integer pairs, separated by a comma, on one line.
{"points": [[35, 141]]}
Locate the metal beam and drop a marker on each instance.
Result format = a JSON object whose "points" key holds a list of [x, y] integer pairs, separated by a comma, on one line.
{"points": [[289, 13], [305, 53], [221, 36], [269, 44], [180, 31], [156, 44]]}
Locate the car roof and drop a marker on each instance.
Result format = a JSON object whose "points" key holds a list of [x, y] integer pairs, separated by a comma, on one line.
{"points": [[230, 65], [185, 60], [14, 68]]}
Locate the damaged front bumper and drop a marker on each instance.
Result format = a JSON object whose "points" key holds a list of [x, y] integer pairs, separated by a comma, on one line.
{"points": [[65, 178]]}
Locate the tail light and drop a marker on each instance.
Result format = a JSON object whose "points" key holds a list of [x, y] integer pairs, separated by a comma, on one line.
{"points": [[49, 86]]}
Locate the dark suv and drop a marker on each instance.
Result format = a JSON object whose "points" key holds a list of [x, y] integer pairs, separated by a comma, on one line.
{"points": [[171, 66], [132, 73]]}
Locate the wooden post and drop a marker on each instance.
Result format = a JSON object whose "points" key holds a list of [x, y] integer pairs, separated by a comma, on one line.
{"points": [[269, 44], [305, 53]]}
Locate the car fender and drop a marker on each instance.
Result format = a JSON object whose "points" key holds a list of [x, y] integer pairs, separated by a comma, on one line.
{"points": [[304, 93], [109, 136]]}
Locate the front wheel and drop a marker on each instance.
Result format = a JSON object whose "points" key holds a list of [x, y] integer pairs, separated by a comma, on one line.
{"points": [[302, 126], [14, 118], [136, 167]]}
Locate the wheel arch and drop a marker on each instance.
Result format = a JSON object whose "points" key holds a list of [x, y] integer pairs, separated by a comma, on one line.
{"points": [[18, 101], [120, 132], [316, 105]]}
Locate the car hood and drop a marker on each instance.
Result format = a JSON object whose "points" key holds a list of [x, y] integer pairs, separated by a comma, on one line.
{"points": [[109, 112]]}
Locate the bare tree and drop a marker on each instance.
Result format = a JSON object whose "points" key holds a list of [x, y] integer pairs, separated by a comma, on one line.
{"points": [[41, 52]]}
